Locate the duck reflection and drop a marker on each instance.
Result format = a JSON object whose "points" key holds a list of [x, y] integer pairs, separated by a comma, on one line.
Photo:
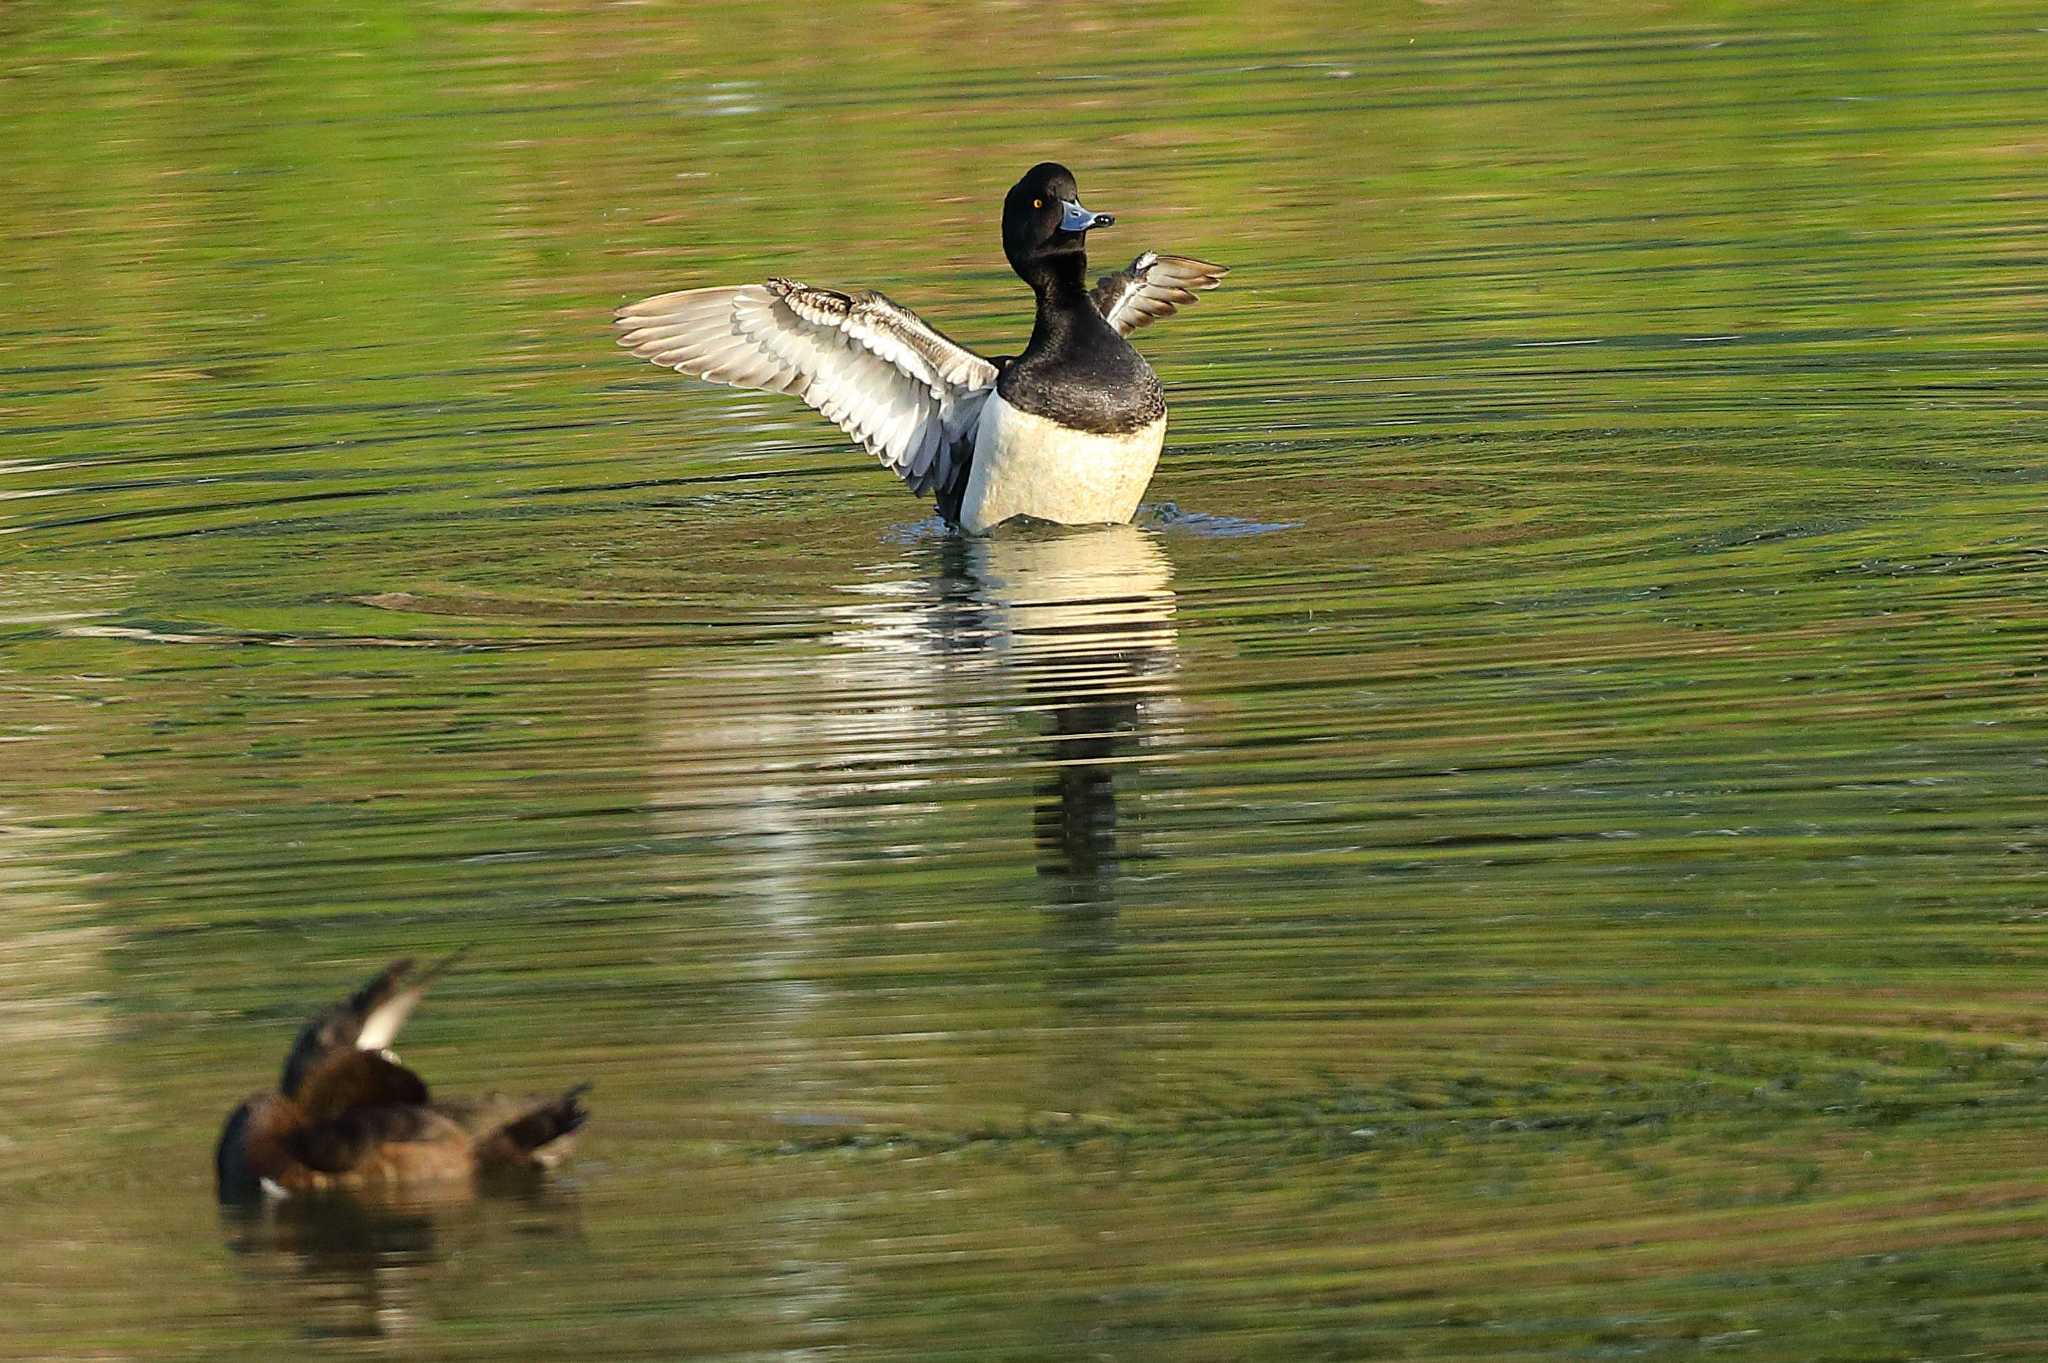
{"points": [[814, 796], [1084, 620], [344, 1267], [879, 744]]}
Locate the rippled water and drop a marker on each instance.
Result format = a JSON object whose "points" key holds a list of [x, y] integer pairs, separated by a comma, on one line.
{"points": [[1534, 848]]}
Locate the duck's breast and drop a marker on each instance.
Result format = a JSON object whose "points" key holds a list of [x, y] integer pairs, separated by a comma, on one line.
{"points": [[1029, 465]]}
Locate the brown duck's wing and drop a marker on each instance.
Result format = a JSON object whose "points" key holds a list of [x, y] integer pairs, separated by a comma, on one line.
{"points": [[269, 1144], [534, 1137], [343, 1080], [366, 1020], [1151, 287], [360, 1138]]}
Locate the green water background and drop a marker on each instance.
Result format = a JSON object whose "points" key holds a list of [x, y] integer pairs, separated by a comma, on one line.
{"points": [[1535, 849]]}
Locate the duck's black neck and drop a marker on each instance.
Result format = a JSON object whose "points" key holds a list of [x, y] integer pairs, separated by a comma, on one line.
{"points": [[1067, 316], [1078, 370]]}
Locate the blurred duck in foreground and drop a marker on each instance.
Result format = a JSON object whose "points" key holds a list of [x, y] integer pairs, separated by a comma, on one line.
{"points": [[1067, 431], [347, 1115]]}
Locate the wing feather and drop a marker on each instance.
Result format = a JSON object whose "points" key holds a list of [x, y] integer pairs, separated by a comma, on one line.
{"points": [[367, 1020], [1151, 287], [907, 392]]}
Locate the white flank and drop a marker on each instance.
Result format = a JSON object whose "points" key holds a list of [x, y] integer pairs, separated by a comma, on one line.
{"points": [[1027, 465]]}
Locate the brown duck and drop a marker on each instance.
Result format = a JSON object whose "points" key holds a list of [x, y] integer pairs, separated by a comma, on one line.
{"points": [[346, 1114]]}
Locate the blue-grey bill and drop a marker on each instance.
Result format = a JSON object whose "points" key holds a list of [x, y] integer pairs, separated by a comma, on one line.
{"points": [[1074, 218]]}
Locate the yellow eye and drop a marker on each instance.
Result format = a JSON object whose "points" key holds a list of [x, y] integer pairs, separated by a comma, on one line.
{"points": [[1038, 203]]}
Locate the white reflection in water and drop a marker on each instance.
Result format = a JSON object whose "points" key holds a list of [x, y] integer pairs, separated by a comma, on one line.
{"points": [[1084, 621], [776, 770], [787, 764]]}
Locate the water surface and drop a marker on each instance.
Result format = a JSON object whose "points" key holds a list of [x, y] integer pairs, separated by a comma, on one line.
{"points": [[1533, 848]]}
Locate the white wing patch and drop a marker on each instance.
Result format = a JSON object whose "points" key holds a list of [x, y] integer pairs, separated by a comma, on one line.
{"points": [[908, 393], [1151, 287], [381, 1027], [380, 1024]]}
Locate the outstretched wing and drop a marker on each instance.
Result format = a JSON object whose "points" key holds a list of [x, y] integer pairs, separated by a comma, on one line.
{"points": [[367, 1020], [907, 392], [526, 1137], [1151, 287]]}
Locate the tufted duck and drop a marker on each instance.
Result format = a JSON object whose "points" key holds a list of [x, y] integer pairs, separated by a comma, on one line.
{"points": [[1069, 430]]}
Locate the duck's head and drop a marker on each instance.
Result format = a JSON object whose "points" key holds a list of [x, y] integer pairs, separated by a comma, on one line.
{"points": [[235, 1177], [1044, 222]]}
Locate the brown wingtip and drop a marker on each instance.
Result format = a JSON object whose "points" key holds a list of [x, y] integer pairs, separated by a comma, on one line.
{"points": [[405, 972], [444, 965], [569, 1109], [379, 986], [527, 1139]]}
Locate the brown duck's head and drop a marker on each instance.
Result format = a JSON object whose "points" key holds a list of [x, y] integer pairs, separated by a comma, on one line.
{"points": [[235, 1176]]}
